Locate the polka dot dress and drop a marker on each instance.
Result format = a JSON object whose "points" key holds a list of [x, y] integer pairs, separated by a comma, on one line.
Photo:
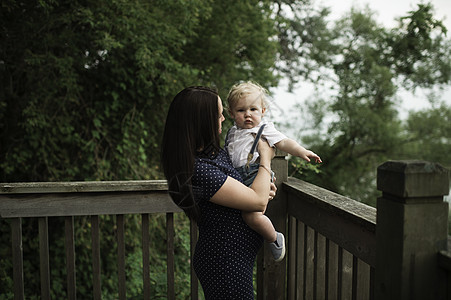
{"points": [[227, 247]]}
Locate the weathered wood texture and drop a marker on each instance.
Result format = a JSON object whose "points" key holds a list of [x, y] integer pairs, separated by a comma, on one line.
{"points": [[17, 250], [17, 203], [44, 257], [82, 186], [331, 239], [96, 263], [444, 261], [271, 283], [332, 243], [346, 222], [51, 199], [44, 200], [412, 229], [70, 258]]}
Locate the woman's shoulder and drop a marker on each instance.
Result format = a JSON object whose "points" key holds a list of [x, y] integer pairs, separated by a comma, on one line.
{"points": [[217, 165], [213, 159]]}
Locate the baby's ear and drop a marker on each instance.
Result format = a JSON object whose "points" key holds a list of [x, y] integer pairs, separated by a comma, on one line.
{"points": [[230, 112], [263, 111]]}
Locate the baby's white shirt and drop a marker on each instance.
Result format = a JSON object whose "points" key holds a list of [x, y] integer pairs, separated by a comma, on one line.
{"points": [[240, 141]]}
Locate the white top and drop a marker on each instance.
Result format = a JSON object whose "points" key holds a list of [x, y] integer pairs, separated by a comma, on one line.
{"points": [[240, 141]]}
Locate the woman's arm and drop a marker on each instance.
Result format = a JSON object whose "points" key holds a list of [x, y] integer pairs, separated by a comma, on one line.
{"points": [[236, 195]]}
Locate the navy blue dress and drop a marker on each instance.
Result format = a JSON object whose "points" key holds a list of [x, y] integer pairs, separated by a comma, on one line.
{"points": [[227, 247]]}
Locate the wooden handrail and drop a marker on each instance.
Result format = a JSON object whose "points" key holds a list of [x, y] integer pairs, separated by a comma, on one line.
{"points": [[69, 199], [350, 224], [51, 199], [82, 186], [331, 239], [331, 244]]}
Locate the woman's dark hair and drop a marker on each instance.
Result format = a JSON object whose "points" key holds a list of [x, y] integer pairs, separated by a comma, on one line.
{"points": [[192, 125]]}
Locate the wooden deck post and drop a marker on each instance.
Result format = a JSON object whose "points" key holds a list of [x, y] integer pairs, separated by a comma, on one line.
{"points": [[412, 227], [271, 281]]}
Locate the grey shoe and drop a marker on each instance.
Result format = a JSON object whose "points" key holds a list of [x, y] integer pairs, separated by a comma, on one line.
{"points": [[278, 247]]}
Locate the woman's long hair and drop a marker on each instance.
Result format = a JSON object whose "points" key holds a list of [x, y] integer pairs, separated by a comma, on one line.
{"points": [[192, 125]]}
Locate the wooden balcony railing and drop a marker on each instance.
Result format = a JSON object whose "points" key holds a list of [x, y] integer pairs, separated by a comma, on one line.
{"points": [[332, 244], [70, 199], [338, 248]]}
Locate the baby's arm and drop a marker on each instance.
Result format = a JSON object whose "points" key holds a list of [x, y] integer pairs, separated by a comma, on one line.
{"points": [[292, 147]]}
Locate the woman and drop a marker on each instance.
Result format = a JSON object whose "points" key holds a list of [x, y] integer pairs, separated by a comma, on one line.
{"points": [[203, 182]]}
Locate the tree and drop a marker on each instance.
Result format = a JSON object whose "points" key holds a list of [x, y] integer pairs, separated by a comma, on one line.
{"points": [[428, 134], [304, 40], [86, 85], [368, 64]]}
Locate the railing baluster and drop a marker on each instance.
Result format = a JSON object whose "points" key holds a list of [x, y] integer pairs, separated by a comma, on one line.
{"points": [[96, 271], [372, 282], [347, 269], [355, 267], [16, 238], [170, 256], [121, 256], [340, 273], [309, 257], [320, 258], [70, 258], [363, 280], [332, 270], [301, 245], [327, 268], [146, 253], [194, 280], [315, 264], [44, 257], [291, 258]]}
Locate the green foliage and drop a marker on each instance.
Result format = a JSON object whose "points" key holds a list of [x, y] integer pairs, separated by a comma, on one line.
{"points": [[420, 50], [298, 166], [357, 127], [303, 37], [235, 44], [428, 135], [85, 87]]}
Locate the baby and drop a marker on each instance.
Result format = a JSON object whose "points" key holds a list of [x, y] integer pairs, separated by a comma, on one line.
{"points": [[247, 105]]}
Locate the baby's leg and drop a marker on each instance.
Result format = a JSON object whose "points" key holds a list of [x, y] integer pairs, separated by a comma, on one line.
{"points": [[261, 224]]}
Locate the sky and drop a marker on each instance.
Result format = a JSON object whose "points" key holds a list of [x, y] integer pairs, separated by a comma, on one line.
{"points": [[386, 12]]}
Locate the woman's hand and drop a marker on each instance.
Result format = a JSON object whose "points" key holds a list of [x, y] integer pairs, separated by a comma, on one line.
{"points": [[272, 192]]}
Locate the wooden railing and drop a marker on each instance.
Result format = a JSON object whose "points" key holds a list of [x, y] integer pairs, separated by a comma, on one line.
{"points": [[70, 199], [334, 251], [331, 244]]}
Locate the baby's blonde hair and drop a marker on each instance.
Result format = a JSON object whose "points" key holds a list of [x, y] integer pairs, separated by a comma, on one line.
{"points": [[244, 89]]}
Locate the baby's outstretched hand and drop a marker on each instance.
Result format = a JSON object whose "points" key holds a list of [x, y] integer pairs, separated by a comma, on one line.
{"points": [[308, 155]]}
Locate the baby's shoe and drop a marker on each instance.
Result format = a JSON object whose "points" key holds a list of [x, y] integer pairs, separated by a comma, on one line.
{"points": [[278, 247]]}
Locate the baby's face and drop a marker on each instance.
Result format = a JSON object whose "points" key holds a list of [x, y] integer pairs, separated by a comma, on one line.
{"points": [[248, 111]]}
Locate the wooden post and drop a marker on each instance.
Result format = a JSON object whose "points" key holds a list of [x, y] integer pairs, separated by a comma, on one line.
{"points": [[272, 275], [412, 227]]}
